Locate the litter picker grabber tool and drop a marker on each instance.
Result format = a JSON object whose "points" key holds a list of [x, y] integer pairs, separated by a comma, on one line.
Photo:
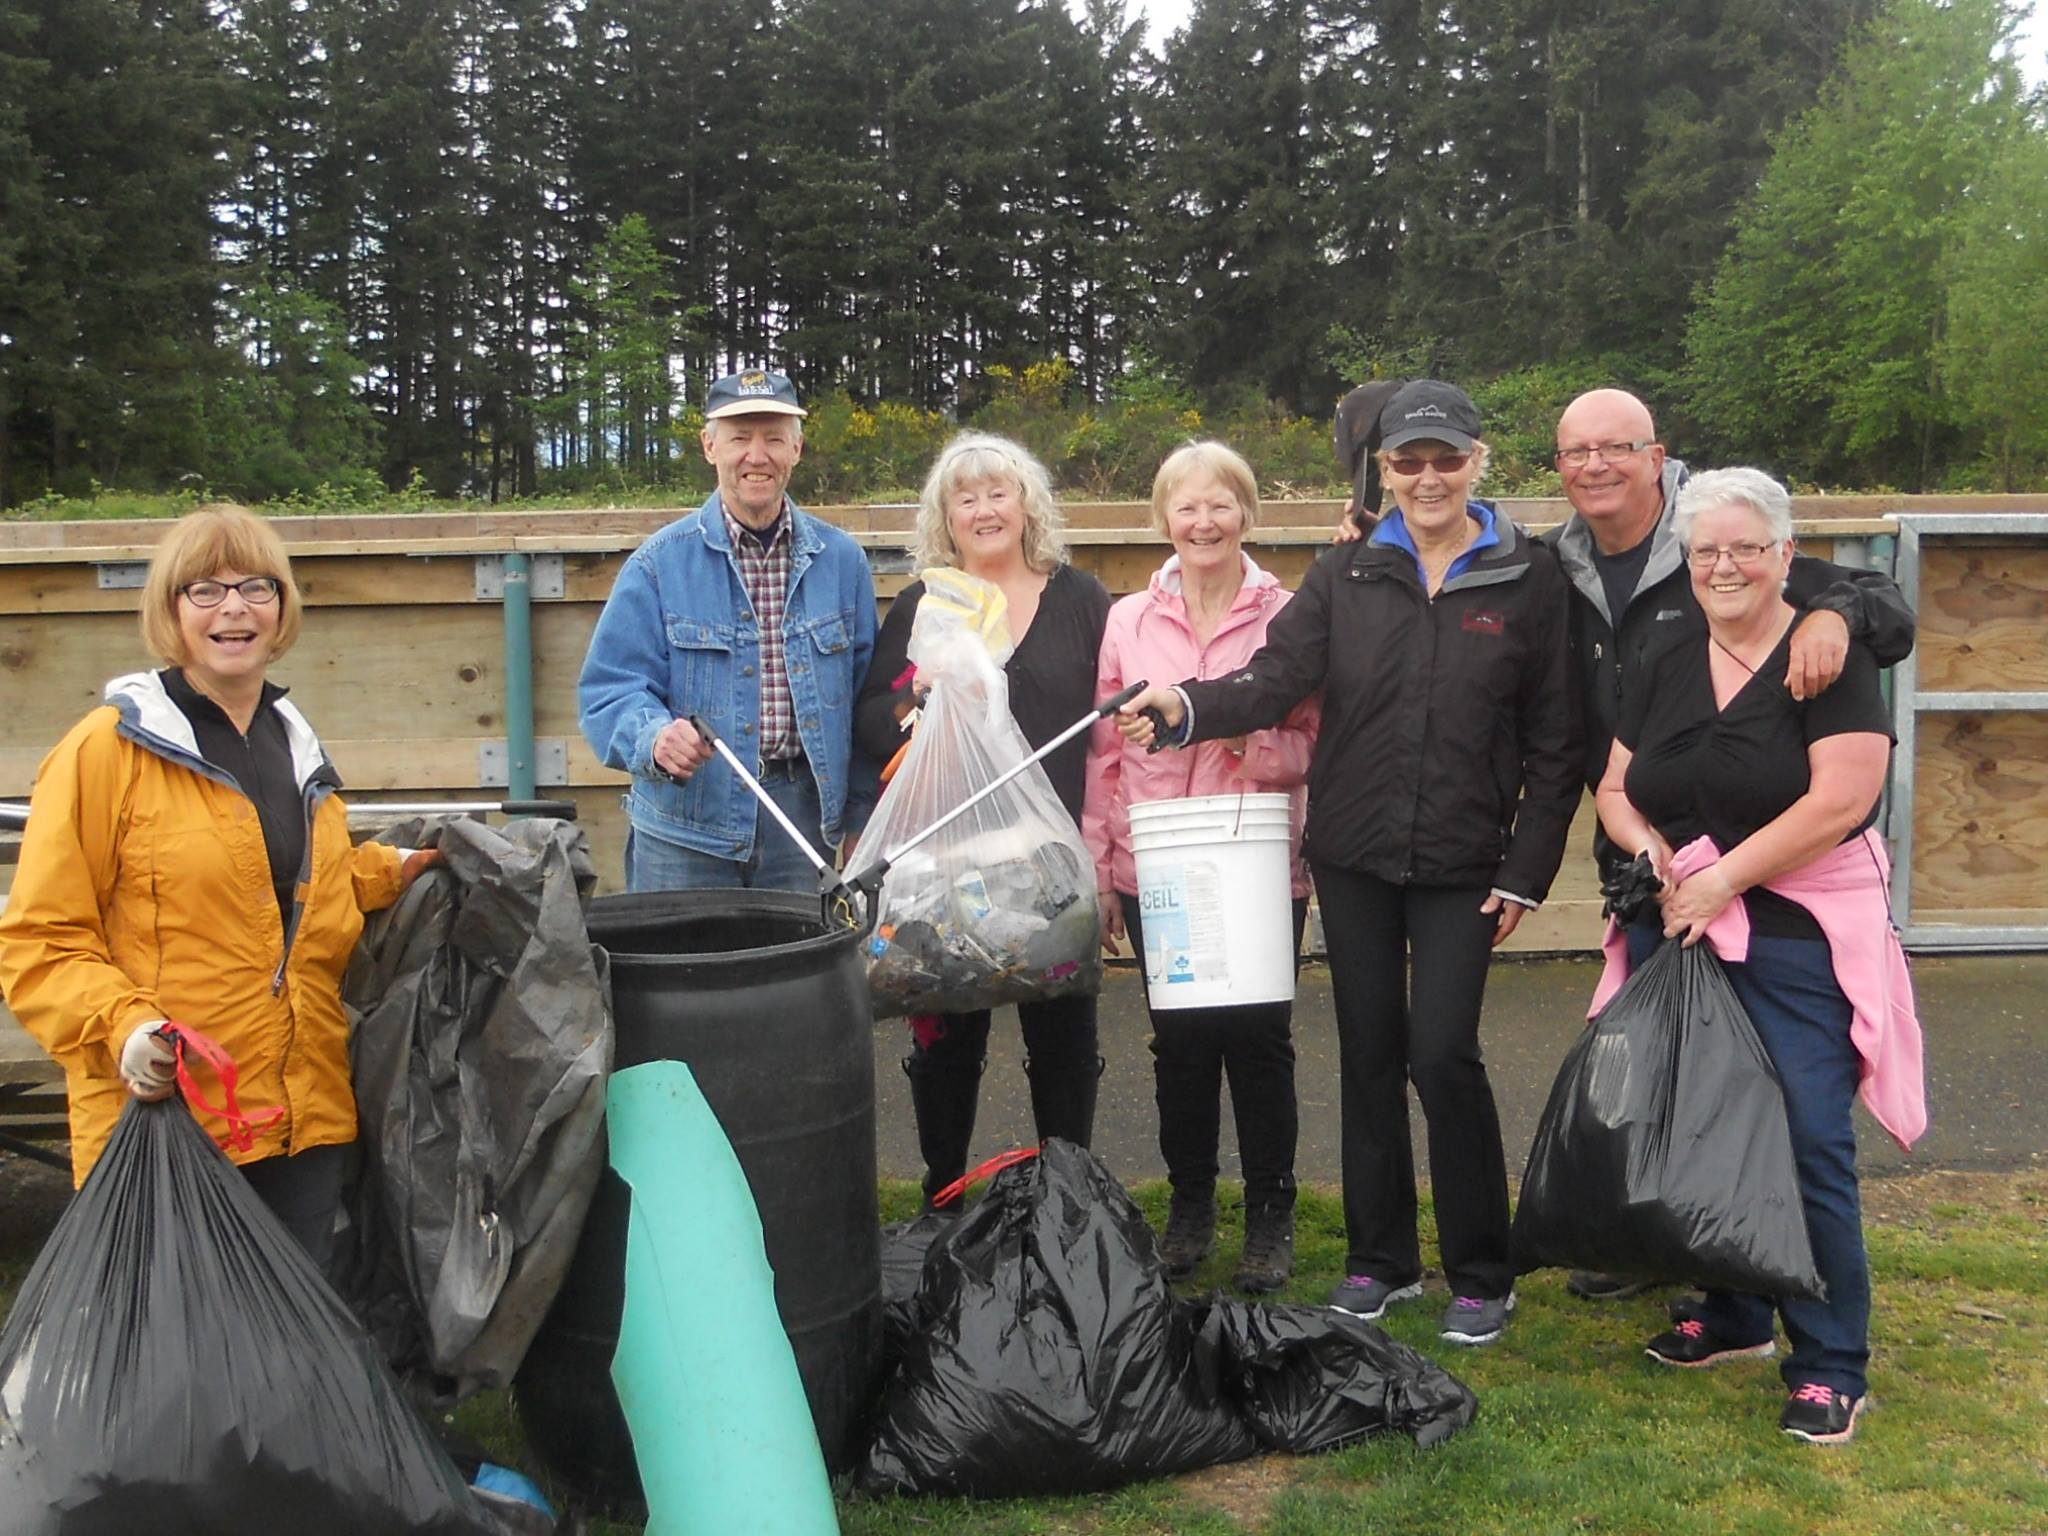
{"points": [[836, 891], [833, 890], [870, 882]]}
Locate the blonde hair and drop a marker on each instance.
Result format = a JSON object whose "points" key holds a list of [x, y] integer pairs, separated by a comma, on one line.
{"points": [[217, 537], [1224, 464], [969, 459]]}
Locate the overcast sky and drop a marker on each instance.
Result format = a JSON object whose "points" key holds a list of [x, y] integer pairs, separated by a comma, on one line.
{"points": [[1163, 17]]}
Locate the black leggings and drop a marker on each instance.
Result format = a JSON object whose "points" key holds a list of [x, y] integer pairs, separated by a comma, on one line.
{"points": [[1408, 966], [1192, 1050], [1060, 1061]]}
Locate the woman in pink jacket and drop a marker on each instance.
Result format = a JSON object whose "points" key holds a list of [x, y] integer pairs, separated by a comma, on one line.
{"points": [[1203, 615]]}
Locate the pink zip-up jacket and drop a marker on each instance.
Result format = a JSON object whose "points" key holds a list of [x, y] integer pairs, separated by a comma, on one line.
{"points": [[1848, 891], [1149, 636]]}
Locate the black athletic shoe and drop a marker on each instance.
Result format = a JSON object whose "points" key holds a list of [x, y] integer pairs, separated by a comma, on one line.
{"points": [[1821, 1415], [1691, 1345]]}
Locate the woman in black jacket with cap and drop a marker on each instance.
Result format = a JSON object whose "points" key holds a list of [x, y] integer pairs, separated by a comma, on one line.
{"points": [[1441, 789]]}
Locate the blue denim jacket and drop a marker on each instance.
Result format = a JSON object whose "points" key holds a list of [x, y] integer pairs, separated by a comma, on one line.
{"points": [[677, 637]]}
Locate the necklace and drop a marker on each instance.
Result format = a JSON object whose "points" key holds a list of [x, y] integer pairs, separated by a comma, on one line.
{"points": [[1731, 655], [1434, 564]]}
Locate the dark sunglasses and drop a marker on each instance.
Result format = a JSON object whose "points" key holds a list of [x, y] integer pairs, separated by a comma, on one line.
{"points": [[1409, 464], [255, 590]]}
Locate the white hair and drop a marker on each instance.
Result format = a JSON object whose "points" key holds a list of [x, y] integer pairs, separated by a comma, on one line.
{"points": [[1745, 487]]}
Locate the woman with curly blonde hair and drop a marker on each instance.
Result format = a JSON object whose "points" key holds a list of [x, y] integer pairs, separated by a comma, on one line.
{"points": [[988, 509]]}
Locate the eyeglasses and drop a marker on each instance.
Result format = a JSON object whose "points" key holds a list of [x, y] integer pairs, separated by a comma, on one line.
{"points": [[1705, 557], [1409, 464], [1576, 458], [255, 590]]}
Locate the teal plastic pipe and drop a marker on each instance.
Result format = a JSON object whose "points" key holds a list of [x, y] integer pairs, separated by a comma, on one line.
{"points": [[520, 754], [721, 1429]]}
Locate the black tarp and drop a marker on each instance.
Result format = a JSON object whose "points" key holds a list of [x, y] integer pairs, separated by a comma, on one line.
{"points": [[483, 1039]]}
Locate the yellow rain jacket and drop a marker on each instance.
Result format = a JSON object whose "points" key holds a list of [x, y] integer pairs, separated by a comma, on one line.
{"points": [[144, 893]]}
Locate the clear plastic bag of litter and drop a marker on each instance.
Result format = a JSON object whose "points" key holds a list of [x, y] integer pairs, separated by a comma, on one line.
{"points": [[999, 905]]}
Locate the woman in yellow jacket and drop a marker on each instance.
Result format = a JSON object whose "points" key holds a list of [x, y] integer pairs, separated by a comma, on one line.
{"points": [[186, 860]]}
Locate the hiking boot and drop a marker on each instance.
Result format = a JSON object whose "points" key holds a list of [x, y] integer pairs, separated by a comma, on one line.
{"points": [[1476, 1319], [1820, 1415], [1364, 1297], [1595, 1286], [1691, 1344], [1190, 1232], [1268, 1259]]}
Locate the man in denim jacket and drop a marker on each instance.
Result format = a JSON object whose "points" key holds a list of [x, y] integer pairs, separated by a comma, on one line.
{"points": [[759, 619]]}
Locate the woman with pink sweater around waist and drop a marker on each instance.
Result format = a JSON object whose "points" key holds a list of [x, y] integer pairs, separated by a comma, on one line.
{"points": [[1203, 615], [1756, 808]]}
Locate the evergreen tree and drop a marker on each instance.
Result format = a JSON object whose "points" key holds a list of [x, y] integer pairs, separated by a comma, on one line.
{"points": [[1239, 202], [1817, 346], [617, 387], [1993, 365]]}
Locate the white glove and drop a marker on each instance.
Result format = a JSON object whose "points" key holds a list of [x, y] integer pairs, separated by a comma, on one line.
{"points": [[149, 1064]]}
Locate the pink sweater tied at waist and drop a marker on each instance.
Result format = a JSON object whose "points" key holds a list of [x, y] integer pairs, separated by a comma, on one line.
{"points": [[1848, 892]]}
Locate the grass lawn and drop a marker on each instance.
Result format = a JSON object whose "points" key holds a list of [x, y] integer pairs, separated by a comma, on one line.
{"points": [[1578, 1432]]}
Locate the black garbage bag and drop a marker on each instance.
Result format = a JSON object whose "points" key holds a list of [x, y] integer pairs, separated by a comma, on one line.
{"points": [[1049, 1356], [174, 1364], [1664, 1148], [1311, 1379], [483, 1039], [904, 1246]]}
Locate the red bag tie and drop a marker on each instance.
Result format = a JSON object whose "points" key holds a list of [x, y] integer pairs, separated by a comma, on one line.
{"points": [[242, 1129], [994, 1165]]}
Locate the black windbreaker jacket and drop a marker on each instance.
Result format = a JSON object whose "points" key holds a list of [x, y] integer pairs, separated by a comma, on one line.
{"points": [[1447, 754]]}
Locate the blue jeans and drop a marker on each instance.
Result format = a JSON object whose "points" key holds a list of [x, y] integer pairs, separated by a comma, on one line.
{"points": [[1788, 988], [777, 864]]}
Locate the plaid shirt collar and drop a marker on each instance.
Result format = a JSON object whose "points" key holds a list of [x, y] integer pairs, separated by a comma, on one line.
{"points": [[746, 540]]}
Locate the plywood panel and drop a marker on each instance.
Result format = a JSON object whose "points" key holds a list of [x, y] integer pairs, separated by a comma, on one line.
{"points": [[1981, 814], [1983, 616]]}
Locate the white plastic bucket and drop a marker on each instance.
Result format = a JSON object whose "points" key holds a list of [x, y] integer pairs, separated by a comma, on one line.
{"points": [[1214, 894]]}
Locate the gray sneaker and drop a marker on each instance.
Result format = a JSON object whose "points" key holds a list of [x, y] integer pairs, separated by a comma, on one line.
{"points": [[1363, 1296], [1477, 1319]]}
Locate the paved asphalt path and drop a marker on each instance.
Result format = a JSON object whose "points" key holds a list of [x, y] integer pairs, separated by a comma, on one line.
{"points": [[1985, 1016]]}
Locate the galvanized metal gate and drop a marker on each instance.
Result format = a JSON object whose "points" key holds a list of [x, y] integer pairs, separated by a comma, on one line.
{"points": [[1920, 711]]}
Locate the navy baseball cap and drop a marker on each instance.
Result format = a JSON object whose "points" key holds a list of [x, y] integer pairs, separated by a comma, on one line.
{"points": [[752, 392], [1428, 411]]}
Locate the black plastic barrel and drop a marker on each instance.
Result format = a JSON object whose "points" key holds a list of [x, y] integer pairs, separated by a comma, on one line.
{"points": [[769, 1007]]}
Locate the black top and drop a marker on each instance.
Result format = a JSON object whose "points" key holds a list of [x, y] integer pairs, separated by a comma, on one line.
{"points": [[1447, 754], [1728, 773], [1051, 673], [261, 766], [1620, 573]]}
